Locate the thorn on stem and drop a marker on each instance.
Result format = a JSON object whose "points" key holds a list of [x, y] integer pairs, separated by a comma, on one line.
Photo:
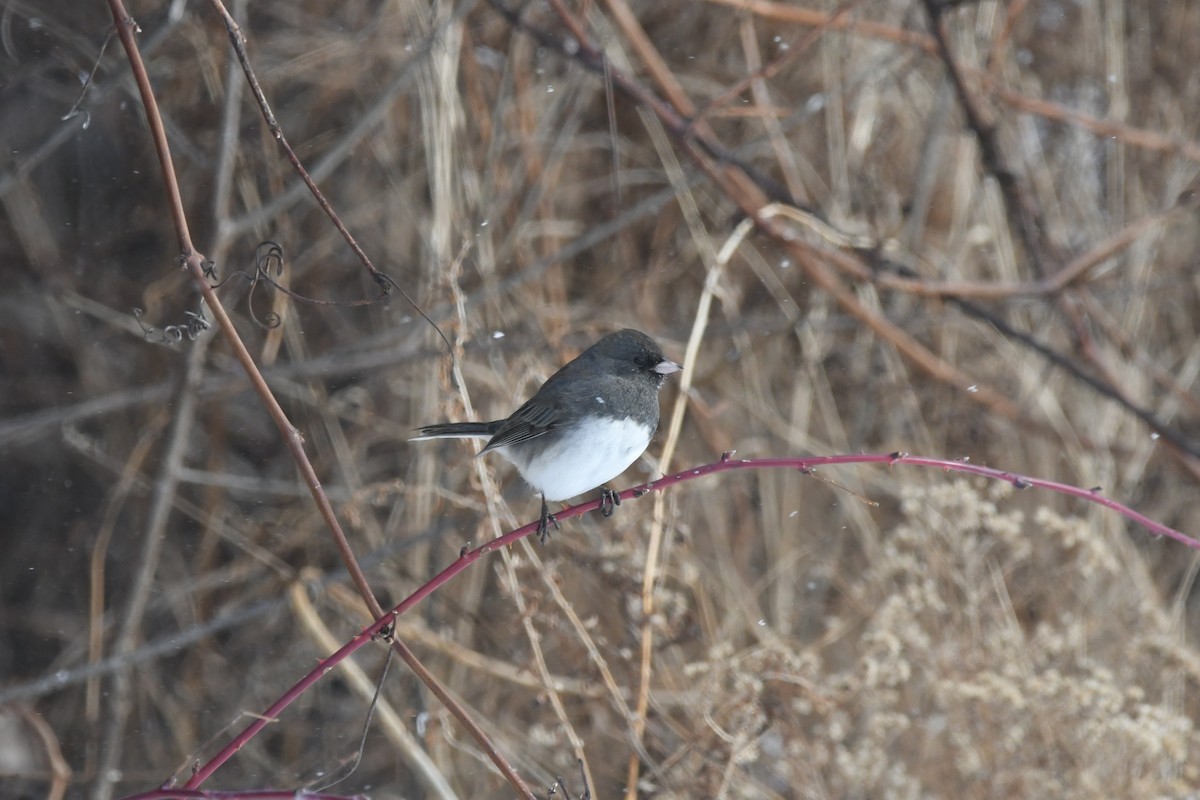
{"points": [[386, 633]]}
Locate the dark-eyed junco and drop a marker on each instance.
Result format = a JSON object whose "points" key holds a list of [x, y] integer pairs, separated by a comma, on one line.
{"points": [[584, 426]]}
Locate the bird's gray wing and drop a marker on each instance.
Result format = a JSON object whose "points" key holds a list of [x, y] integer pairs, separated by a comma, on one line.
{"points": [[528, 422]]}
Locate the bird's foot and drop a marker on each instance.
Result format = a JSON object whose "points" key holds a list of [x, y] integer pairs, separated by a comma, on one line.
{"points": [[544, 522], [609, 500]]}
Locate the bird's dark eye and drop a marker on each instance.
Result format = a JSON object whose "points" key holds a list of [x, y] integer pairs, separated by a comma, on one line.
{"points": [[641, 362]]}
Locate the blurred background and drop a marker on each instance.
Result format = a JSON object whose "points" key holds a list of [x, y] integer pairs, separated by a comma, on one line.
{"points": [[873, 632]]}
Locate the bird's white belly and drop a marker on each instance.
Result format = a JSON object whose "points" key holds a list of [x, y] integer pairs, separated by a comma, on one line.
{"points": [[594, 452]]}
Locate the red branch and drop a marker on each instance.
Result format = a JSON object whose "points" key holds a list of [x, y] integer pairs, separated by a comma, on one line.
{"points": [[469, 556]]}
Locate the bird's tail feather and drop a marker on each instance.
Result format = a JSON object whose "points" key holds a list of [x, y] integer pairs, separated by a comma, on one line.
{"points": [[457, 430]]}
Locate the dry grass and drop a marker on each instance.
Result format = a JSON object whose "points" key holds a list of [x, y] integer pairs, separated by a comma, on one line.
{"points": [[952, 641]]}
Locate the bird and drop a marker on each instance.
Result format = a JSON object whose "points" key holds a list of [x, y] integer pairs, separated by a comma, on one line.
{"points": [[583, 427]]}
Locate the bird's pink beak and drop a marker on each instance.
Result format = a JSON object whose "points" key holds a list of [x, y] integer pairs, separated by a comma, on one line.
{"points": [[666, 367]]}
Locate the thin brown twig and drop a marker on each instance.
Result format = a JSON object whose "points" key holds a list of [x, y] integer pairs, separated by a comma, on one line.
{"points": [[390, 720], [648, 53], [1140, 137], [760, 93], [238, 40], [113, 505], [478, 662], [539, 656], [126, 27], [1021, 215], [1073, 273], [231, 117], [87, 82], [786, 12], [1003, 36], [60, 770], [1166, 380], [1183, 446], [772, 68], [121, 696]]}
